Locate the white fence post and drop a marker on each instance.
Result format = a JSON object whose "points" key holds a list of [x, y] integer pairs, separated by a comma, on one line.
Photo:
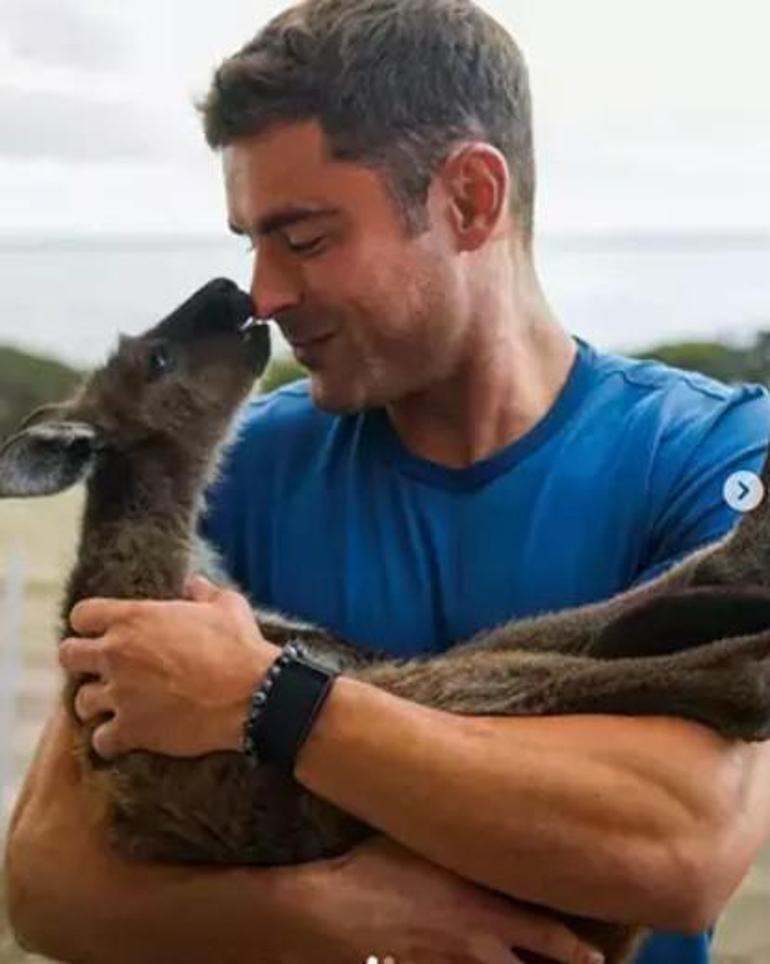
{"points": [[10, 674]]}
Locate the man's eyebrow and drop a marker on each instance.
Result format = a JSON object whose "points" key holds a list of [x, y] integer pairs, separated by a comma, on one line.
{"points": [[285, 218]]}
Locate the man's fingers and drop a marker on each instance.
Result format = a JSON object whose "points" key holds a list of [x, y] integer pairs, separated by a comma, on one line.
{"points": [[198, 589], [106, 740], [558, 944], [82, 656], [93, 617], [550, 939], [487, 949], [92, 700]]}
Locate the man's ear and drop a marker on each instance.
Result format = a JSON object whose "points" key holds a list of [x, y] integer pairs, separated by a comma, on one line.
{"points": [[477, 182], [48, 454]]}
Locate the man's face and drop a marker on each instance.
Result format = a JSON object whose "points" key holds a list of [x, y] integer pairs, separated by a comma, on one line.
{"points": [[374, 314]]}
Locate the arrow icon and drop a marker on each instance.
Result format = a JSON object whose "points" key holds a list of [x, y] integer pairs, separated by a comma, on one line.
{"points": [[743, 491]]}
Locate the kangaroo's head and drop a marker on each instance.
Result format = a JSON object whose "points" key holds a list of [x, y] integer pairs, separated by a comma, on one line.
{"points": [[173, 389]]}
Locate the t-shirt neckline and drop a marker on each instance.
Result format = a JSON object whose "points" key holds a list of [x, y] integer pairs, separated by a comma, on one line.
{"points": [[568, 400]]}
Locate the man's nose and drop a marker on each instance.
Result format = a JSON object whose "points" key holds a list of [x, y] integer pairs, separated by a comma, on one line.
{"points": [[274, 285]]}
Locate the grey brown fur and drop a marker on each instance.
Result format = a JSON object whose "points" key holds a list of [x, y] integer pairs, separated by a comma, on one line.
{"points": [[694, 643]]}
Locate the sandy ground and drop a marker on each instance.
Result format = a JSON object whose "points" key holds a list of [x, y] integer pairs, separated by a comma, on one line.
{"points": [[43, 531]]}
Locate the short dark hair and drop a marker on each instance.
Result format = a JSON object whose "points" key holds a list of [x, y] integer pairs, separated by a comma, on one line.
{"points": [[393, 83]]}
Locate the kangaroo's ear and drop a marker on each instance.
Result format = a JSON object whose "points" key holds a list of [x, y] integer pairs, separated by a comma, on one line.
{"points": [[45, 413], [47, 455]]}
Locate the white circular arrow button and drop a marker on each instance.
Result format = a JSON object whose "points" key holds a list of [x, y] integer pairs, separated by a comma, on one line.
{"points": [[744, 491]]}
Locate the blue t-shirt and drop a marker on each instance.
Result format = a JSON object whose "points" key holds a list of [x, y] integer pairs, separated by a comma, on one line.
{"points": [[330, 518]]}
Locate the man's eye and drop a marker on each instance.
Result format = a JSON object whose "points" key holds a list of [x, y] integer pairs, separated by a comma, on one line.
{"points": [[306, 247]]}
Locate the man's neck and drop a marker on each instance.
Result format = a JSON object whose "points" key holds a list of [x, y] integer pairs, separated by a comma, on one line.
{"points": [[517, 363]]}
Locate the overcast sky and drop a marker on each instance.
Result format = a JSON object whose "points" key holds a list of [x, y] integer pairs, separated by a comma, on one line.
{"points": [[650, 116]]}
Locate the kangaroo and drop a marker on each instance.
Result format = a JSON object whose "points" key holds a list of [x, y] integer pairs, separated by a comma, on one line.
{"points": [[146, 432]]}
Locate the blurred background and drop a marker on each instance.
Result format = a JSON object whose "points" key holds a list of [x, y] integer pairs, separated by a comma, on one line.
{"points": [[653, 138]]}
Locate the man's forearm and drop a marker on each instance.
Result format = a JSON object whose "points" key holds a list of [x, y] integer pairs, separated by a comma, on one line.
{"points": [[72, 898], [601, 816], [157, 914]]}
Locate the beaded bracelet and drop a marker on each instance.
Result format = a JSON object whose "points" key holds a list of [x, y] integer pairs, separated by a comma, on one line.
{"points": [[259, 699]]}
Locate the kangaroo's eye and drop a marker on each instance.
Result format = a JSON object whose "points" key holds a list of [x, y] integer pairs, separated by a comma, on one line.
{"points": [[161, 361]]}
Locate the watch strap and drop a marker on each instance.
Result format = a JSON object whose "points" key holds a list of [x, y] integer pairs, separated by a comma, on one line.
{"points": [[294, 691]]}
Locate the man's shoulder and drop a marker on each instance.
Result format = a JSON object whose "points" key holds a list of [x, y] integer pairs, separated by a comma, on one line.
{"points": [[650, 377], [271, 445], [283, 436], [681, 435], [680, 407], [283, 408], [282, 420]]}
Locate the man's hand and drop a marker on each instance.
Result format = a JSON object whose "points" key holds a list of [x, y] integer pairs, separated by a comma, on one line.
{"points": [[382, 900], [171, 677]]}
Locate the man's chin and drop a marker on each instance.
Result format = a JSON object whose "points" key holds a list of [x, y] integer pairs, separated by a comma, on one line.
{"points": [[336, 399]]}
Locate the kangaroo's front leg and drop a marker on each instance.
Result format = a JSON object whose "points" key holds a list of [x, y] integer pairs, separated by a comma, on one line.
{"points": [[725, 685], [583, 631]]}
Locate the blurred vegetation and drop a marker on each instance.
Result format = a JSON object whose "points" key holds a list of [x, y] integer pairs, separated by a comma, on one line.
{"points": [[725, 362], [279, 372], [28, 381]]}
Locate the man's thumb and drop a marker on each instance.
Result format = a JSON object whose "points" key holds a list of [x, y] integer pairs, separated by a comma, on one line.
{"points": [[198, 589]]}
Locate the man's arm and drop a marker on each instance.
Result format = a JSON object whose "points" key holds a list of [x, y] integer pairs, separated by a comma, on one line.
{"points": [[650, 821], [641, 820], [71, 897]]}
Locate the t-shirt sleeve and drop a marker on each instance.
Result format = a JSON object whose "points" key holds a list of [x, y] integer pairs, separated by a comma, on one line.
{"points": [[689, 509]]}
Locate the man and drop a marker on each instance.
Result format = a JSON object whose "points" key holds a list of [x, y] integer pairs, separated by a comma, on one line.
{"points": [[457, 459]]}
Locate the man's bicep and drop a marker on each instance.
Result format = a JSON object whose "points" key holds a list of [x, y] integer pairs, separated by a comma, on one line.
{"points": [[694, 512], [746, 819], [703, 532]]}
